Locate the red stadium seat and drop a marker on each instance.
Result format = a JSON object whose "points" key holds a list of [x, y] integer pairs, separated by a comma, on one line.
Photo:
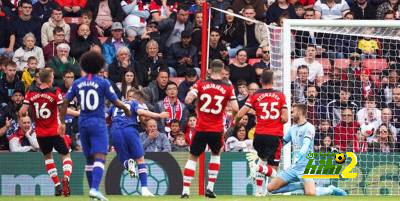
{"points": [[342, 63], [253, 61], [375, 65], [102, 39], [326, 64], [177, 80], [73, 20]]}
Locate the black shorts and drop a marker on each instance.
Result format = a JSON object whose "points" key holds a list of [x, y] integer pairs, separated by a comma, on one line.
{"points": [[201, 139], [47, 144], [268, 148]]}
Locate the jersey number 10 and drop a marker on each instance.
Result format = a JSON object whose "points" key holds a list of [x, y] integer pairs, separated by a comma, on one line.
{"points": [[85, 99]]}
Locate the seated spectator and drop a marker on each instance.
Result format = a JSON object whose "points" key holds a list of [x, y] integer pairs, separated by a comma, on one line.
{"points": [[153, 140], [5, 124], [176, 109], [184, 87], [323, 129], [386, 117], [363, 10], [219, 17], [327, 145], [9, 83], [242, 92], [179, 144], [196, 33], [128, 83], [332, 111], [315, 69], [56, 20], [391, 5], [368, 88], [299, 85], [369, 47], [121, 64], [171, 28], [49, 51], [389, 81], [353, 71], [217, 49], [24, 139], [87, 19], [277, 9], [25, 23], [83, 42], [345, 133], [28, 76], [42, 9], [150, 33], [162, 9], [105, 12], [113, 43], [72, 8], [239, 5], [299, 9], [175, 131], [15, 104], [232, 32], [369, 113], [253, 87], [150, 63], [241, 70], [6, 45], [27, 50], [137, 13], [255, 35], [383, 140], [264, 63], [244, 121], [313, 104], [63, 62], [331, 9], [190, 131], [182, 55], [390, 15], [156, 90], [239, 142], [194, 8]]}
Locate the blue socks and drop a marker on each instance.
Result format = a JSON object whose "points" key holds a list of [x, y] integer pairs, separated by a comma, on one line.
{"points": [[97, 174], [143, 174], [88, 170]]}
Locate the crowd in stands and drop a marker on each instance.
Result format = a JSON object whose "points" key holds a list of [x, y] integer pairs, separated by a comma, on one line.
{"points": [[153, 47]]}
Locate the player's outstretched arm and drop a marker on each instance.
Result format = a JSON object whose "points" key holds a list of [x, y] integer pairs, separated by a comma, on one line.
{"points": [[190, 97], [241, 113], [119, 104], [62, 108], [147, 113]]}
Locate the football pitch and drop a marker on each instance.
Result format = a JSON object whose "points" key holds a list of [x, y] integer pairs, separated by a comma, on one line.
{"points": [[224, 197]]}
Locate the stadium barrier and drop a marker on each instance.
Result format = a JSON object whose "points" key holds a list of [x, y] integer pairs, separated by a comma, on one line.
{"points": [[24, 174]]}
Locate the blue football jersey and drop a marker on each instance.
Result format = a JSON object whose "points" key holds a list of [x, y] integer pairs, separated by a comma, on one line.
{"points": [[296, 135], [91, 91], [119, 119]]}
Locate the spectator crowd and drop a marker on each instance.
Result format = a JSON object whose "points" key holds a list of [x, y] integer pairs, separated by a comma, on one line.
{"points": [[154, 48]]}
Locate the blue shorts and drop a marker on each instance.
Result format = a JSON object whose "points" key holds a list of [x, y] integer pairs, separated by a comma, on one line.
{"points": [[94, 136], [127, 143], [293, 174]]}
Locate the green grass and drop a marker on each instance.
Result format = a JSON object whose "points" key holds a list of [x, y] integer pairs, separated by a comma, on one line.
{"points": [[230, 198]]}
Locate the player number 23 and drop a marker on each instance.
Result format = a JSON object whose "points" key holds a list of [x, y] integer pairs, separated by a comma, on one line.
{"points": [[205, 107], [270, 113]]}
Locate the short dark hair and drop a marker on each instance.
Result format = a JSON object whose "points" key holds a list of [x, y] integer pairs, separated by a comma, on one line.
{"points": [[57, 29], [171, 83], [161, 70], [349, 13], [45, 75], [298, 5], [241, 83], [56, 8], [246, 7], [67, 72], [345, 89], [214, 29], [191, 72], [301, 107], [31, 58], [311, 45], [302, 67], [87, 13], [267, 77], [174, 121], [24, 2], [183, 6], [92, 62], [309, 10], [186, 34]]}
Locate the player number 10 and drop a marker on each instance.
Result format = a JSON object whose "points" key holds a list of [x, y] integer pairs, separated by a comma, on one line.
{"points": [[85, 99]]}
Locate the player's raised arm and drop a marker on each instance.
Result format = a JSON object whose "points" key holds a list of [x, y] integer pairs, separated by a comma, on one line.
{"points": [[192, 95], [23, 111], [241, 113], [119, 104]]}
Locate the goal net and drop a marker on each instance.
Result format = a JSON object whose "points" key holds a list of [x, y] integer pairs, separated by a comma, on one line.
{"points": [[347, 74]]}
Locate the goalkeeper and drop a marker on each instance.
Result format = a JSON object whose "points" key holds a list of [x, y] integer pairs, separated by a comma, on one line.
{"points": [[302, 137]]}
